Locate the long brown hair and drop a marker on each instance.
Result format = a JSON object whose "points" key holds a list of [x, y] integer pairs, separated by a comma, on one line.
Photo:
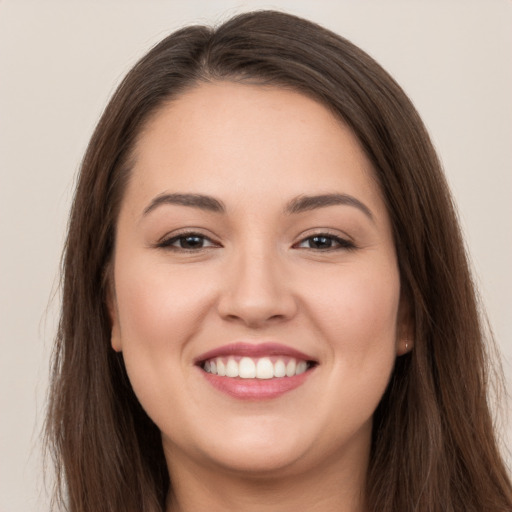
{"points": [[433, 446]]}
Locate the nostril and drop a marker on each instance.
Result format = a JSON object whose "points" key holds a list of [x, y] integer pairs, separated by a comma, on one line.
{"points": [[256, 295]]}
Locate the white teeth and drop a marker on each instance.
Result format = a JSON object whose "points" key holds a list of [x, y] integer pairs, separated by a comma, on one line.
{"points": [[290, 368], [221, 368], [264, 368], [302, 366], [247, 368], [231, 368], [259, 368], [279, 368]]}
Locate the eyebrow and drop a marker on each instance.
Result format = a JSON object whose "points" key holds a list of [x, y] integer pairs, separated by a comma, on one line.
{"points": [[297, 205], [200, 201], [305, 203]]}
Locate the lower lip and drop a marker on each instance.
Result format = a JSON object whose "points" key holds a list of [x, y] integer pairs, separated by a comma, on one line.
{"points": [[256, 389]]}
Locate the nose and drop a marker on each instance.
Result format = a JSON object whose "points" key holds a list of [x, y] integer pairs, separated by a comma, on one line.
{"points": [[257, 291]]}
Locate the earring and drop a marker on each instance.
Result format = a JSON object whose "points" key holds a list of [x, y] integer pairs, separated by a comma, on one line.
{"points": [[406, 346]]}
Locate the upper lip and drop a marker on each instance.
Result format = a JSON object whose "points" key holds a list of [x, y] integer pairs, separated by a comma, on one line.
{"points": [[253, 350]]}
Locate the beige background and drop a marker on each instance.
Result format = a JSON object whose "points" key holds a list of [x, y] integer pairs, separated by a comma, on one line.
{"points": [[59, 63]]}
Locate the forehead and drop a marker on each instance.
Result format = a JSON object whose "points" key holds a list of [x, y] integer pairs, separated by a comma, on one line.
{"points": [[232, 139]]}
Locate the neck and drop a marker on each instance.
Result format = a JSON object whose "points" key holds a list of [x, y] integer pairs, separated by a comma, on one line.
{"points": [[330, 487]]}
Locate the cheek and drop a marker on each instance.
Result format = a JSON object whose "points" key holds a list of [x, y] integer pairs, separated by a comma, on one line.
{"points": [[366, 302], [158, 305], [160, 311], [356, 311], [358, 318]]}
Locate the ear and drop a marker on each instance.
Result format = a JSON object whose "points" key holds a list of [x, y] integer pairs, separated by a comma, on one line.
{"points": [[115, 333], [405, 327]]}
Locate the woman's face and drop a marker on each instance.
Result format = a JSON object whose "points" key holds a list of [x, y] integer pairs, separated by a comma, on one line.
{"points": [[253, 240]]}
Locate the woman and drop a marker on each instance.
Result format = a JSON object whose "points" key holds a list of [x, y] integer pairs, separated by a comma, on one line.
{"points": [[267, 304]]}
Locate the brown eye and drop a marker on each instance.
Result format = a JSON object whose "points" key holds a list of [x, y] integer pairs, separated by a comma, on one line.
{"points": [[325, 242], [191, 242], [187, 242], [320, 242]]}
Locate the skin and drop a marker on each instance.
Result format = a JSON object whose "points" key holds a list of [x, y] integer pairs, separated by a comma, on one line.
{"points": [[257, 278]]}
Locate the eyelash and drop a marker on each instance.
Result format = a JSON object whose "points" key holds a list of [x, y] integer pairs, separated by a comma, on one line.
{"points": [[342, 243], [168, 243]]}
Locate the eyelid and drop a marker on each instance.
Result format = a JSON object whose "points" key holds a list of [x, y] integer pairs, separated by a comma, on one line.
{"points": [[168, 239], [343, 241]]}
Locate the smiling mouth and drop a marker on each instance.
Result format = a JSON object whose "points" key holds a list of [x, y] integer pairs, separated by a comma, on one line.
{"points": [[260, 371], [264, 368]]}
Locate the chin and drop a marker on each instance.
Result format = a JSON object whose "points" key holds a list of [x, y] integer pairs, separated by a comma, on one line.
{"points": [[251, 450], [282, 449], [258, 460]]}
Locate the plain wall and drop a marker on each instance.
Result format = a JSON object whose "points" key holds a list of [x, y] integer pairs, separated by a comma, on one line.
{"points": [[60, 62]]}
